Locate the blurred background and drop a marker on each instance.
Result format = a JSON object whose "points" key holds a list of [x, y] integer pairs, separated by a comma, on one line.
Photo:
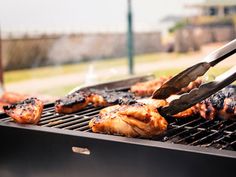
{"points": [[49, 47]]}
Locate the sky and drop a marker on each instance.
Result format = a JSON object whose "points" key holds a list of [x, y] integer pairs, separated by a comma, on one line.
{"points": [[85, 15]]}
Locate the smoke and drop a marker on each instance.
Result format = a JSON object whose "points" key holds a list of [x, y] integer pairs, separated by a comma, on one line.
{"points": [[91, 76], [71, 49], [94, 76], [74, 48]]}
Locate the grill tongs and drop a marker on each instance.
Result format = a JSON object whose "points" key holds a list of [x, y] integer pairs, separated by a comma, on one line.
{"points": [[190, 74]]}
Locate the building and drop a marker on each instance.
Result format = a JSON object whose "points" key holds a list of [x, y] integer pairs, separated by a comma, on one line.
{"points": [[220, 8], [215, 22]]}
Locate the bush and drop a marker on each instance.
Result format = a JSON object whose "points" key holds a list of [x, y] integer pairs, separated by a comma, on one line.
{"points": [[177, 26]]}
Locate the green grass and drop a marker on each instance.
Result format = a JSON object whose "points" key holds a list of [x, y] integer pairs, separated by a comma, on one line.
{"points": [[42, 72], [58, 91], [20, 75], [167, 72], [212, 73]]}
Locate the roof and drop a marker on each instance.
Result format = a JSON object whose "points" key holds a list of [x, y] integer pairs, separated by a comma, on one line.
{"points": [[208, 3], [220, 2]]}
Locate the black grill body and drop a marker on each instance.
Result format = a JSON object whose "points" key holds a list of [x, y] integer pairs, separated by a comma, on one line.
{"points": [[41, 152], [191, 147]]}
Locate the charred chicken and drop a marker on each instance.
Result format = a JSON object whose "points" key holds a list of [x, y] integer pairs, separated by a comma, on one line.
{"points": [[8, 98], [80, 99], [222, 104], [26, 112]]}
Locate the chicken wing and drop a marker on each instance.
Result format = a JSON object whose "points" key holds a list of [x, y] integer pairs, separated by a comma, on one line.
{"points": [[26, 112]]}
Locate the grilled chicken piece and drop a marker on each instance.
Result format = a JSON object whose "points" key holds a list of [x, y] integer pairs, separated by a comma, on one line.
{"points": [[141, 118], [72, 103], [131, 120], [26, 112], [153, 102], [80, 99], [147, 88], [186, 113], [222, 104], [229, 109], [206, 109], [10, 97], [191, 85]]}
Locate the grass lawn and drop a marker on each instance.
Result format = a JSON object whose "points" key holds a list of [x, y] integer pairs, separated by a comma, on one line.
{"points": [[58, 91], [42, 72], [167, 72], [211, 74]]}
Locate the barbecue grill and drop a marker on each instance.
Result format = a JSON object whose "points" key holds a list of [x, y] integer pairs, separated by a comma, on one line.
{"points": [[63, 145]]}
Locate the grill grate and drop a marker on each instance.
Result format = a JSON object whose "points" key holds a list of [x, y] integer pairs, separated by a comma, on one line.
{"points": [[194, 131]]}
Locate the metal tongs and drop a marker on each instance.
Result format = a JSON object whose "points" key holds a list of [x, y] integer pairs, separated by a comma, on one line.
{"points": [[190, 74]]}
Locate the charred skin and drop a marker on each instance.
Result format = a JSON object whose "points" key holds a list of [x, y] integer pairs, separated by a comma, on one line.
{"points": [[72, 103], [1, 106], [222, 104], [133, 120], [26, 112], [229, 109], [67, 109], [80, 99], [8, 98]]}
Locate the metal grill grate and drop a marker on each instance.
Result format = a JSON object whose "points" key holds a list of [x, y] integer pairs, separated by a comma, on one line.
{"points": [[194, 131]]}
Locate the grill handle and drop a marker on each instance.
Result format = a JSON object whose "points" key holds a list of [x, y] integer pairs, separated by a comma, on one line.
{"points": [[80, 150]]}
